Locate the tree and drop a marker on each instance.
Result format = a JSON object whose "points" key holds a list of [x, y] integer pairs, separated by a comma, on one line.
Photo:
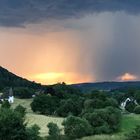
{"points": [[23, 92], [137, 109], [20, 109], [70, 106], [45, 104], [93, 103], [12, 125], [137, 97], [76, 127], [130, 106], [33, 133], [105, 120], [54, 132], [6, 104], [111, 102]]}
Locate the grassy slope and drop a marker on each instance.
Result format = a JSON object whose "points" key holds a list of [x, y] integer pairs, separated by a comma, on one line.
{"points": [[128, 122], [33, 118]]}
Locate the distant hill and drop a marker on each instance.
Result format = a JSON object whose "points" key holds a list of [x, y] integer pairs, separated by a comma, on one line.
{"points": [[107, 85], [8, 79]]}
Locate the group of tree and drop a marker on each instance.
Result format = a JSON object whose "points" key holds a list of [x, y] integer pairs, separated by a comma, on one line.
{"points": [[13, 125], [85, 114]]}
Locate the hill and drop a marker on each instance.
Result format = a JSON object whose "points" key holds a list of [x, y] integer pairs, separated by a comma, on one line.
{"points": [[8, 79], [107, 85]]}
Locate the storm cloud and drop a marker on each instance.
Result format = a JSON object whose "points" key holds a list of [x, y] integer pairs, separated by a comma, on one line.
{"points": [[17, 13], [80, 40]]}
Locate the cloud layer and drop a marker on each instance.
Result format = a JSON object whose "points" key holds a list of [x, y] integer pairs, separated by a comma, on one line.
{"points": [[17, 13], [76, 41]]}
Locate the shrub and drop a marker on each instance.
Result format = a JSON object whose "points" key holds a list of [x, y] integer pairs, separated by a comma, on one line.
{"points": [[20, 109], [75, 127], [130, 106], [33, 133], [5, 104], [137, 109], [111, 102], [54, 132], [104, 120]]}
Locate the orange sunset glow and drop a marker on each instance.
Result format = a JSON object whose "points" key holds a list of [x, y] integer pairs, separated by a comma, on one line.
{"points": [[52, 78]]}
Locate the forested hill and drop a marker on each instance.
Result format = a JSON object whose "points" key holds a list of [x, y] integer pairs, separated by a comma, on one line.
{"points": [[8, 79], [107, 85]]}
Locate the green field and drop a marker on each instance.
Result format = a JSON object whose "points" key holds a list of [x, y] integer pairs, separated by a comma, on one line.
{"points": [[129, 122]]}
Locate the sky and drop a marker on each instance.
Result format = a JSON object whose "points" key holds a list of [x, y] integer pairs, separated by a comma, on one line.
{"points": [[72, 41]]}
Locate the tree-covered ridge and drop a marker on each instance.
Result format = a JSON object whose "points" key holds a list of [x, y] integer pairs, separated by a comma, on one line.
{"points": [[8, 79]]}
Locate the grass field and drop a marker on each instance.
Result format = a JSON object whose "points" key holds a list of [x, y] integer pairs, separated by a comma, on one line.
{"points": [[129, 122], [33, 118]]}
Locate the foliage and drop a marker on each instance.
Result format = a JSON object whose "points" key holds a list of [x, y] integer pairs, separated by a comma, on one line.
{"points": [[8, 79], [104, 120], [12, 126], [20, 109], [5, 104], [33, 133], [76, 127], [70, 106], [23, 92], [130, 106], [137, 109], [54, 132], [45, 104], [137, 97]]}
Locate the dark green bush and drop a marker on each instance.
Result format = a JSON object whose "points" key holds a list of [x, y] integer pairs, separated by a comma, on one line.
{"points": [[75, 127], [5, 104], [45, 104], [130, 106], [137, 109], [12, 126], [104, 120], [54, 132], [33, 133], [20, 109]]}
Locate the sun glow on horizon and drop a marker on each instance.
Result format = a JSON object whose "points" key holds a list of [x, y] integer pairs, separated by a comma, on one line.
{"points": [[56, 77]]}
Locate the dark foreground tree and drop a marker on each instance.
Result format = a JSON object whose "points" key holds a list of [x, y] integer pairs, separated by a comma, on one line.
{"points": [[12, 126]]}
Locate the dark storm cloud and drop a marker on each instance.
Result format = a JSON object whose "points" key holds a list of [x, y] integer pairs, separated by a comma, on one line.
{"points": [[20, 12]]}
